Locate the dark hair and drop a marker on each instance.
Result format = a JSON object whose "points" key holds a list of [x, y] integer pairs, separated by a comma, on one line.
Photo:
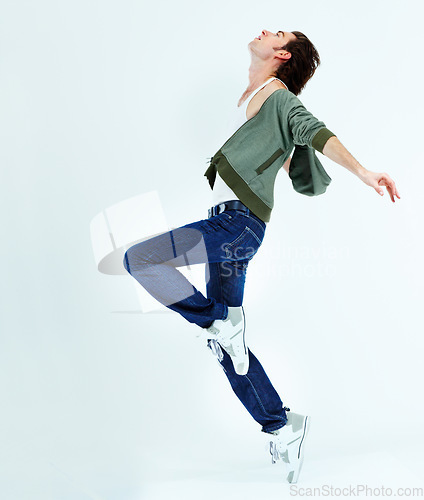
{"points": [[304, 60]]}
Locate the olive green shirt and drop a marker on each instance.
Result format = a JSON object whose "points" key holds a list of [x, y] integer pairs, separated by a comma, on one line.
{"points": [[250, 159]]}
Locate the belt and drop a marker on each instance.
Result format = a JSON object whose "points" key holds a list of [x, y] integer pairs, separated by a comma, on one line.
{"points": [[228, 205]]}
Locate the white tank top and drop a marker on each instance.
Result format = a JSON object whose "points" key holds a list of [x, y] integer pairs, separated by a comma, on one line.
{"points": [[221, 192]]}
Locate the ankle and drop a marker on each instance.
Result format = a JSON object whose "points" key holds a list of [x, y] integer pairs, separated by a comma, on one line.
{"points": [[226, 312]]}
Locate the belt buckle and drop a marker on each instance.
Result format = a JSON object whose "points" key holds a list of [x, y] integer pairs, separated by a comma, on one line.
{"points": [[221, 205], [216, 209]]}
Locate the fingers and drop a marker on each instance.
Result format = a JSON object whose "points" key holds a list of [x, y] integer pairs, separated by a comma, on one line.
{"points": [[385, 180], [390, 190]]}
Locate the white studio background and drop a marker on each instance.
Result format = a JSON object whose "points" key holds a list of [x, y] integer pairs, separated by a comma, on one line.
{"points": [[102, 101]]}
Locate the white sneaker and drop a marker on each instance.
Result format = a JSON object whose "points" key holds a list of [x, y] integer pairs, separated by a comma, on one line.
{"points": [[230, 334], [287, 444]]}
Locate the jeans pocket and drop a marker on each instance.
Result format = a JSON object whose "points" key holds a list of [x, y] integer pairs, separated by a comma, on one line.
{"points": [[258, 227], [245, 245]]}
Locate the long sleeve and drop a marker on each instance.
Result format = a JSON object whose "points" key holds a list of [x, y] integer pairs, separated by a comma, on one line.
{"points": [[306, 129]]}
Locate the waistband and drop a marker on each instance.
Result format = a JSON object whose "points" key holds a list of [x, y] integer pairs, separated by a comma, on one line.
{"points": [[232, 205]]}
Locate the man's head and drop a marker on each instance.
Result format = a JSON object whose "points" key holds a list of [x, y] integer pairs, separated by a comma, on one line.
{"points": [[291, 56]]}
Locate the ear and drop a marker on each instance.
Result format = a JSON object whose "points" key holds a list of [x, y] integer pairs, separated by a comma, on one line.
{"points": [[283, 55]]}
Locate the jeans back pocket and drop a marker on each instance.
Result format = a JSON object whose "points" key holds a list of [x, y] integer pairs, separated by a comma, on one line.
{"points": [[245, 245]]}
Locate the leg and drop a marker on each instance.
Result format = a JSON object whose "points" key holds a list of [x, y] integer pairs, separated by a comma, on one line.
{"points": [[227, 236], [256, 393], [225, 283]]}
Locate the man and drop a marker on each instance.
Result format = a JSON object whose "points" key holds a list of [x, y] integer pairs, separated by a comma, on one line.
{"points": [[273, 123]]}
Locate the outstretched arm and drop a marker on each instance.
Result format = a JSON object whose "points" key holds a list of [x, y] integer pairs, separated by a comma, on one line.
{"points": [[335, 150]]}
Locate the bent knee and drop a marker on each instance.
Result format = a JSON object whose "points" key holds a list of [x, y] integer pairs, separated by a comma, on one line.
{"points": [[135, 258]]}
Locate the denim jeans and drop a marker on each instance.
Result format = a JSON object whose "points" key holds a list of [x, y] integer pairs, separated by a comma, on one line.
{"points": [[225, 243]]}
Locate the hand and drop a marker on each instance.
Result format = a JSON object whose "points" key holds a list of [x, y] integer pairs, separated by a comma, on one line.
{"points": [[376, 180]]}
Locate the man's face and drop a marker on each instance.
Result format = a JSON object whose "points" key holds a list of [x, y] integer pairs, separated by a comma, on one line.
{"points": [[264, 45]]}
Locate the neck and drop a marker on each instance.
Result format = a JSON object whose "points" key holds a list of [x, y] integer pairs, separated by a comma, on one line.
{"points": [[259, 72]]}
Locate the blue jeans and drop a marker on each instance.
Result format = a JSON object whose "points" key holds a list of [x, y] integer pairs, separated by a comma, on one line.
{"points": [[225, 243]]}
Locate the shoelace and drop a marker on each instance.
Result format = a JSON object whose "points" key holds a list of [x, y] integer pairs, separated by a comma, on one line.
{"points": [[275, 455], [216, 349]]}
